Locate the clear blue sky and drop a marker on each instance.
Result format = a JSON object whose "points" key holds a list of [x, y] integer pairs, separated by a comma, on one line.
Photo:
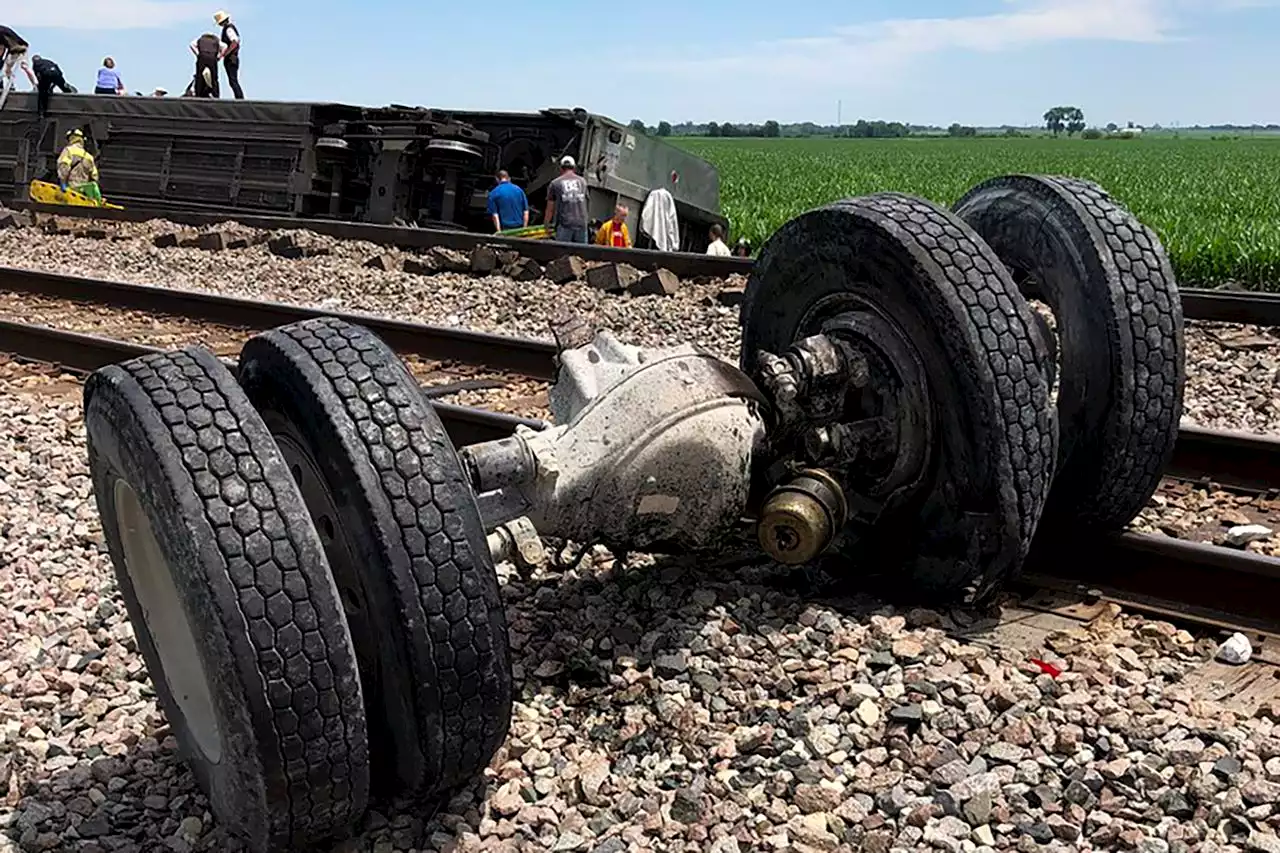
{"points": [[985, 62]]}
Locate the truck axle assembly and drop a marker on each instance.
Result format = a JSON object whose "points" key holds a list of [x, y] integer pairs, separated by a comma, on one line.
{"points": [[309, 563]]}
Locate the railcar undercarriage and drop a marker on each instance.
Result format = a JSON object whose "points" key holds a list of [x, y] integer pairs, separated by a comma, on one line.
{"points": [[900, 414]]}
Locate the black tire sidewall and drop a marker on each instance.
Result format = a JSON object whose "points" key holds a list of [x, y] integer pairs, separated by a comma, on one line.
{"points": [[283, 377], [826, 252], [128, 440]]}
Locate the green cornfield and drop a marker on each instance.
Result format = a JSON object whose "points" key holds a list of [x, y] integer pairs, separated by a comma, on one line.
{"points": [[1215, 203]]}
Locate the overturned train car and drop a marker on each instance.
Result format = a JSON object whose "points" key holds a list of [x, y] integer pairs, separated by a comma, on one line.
{"points": [[384, 165]]}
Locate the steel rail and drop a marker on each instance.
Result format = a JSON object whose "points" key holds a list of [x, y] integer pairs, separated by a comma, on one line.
{"points": [[1155, 574], [1171, 577], [524, 356], [79, 353], [1228, 306], [1236, 460]]}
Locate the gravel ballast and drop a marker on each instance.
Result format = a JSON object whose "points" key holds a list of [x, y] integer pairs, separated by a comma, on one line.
{"points": [[508, 393], [1232, 370], [661, 705]]}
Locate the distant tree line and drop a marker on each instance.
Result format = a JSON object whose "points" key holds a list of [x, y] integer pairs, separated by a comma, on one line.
{"points": [[861, 129], [1057, 120]]}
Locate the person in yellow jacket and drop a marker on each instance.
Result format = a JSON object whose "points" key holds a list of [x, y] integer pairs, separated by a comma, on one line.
{"points": [[77, 169], [614, 232]]}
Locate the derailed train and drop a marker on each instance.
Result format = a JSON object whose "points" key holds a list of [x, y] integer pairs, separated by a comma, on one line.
{"points": [[383, 165]]}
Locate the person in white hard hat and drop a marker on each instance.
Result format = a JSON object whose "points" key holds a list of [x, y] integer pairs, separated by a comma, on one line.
{"points": [[567, 204], [230, 54]]}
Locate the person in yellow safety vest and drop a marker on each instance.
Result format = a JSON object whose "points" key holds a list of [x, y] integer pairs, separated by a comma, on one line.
{"points": [[76, 168], [614, 232]]}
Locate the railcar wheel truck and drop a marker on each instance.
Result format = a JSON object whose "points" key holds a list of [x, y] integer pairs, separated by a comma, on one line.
{"points": [[308, 562]]}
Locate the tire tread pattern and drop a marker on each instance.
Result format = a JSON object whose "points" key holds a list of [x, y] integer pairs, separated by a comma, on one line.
{"points": [[449, 595], [308, 707], [1146, 403], [975, 308], [1000, 327], [1114, 470]]}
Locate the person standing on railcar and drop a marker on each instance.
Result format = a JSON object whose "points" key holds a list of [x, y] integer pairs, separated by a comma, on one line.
{"points": [[230, 54], [48, 77]]}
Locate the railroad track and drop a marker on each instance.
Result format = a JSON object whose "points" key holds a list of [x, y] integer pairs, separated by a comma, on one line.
{"points": [[1239, 460], [1179, 579], [683, 264], [525, 356], [1228, 306], [81, 354], [509, 354]]}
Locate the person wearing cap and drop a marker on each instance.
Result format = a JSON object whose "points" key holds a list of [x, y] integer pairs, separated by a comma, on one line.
{"points": [[230, 53], [48, 77], [77, 169], [567, 204], [742, 248], [109, 82], [13, 54], [159, 93], [206, 49]]}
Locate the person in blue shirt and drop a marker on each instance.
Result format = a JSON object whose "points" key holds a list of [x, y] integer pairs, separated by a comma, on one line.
{"points": [[508, 206], [109, 82]]}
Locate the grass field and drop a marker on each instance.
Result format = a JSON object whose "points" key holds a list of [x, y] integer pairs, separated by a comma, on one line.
{"points": [[1214, 202]]}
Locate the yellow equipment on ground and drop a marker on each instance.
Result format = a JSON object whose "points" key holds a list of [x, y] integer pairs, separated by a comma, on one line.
{"points": [[531, 232], [44, 192]]}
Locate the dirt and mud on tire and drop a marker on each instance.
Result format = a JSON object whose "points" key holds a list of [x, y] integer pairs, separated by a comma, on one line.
{"points": [[230, 597], [1119, 332], [995, 441], [406, 542]]}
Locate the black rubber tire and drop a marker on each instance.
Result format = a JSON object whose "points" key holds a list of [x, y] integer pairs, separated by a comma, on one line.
{"points": [[428, 622], [1121, 353], [250, 573], [972, 523]]}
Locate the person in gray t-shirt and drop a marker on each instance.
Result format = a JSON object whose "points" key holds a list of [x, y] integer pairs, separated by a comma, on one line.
{"points": [[567, 204]]}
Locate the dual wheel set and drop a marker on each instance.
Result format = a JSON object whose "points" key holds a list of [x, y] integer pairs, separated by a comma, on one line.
{"points": [[900, 347], [303, 557], [307, 574]]}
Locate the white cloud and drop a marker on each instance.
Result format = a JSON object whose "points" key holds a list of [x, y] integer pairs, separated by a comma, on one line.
{"points": [[868, 55], [96, 15]]}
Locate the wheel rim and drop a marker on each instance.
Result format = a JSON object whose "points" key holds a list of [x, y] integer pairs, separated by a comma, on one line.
{"points": [[896, 377], [166, 620]]}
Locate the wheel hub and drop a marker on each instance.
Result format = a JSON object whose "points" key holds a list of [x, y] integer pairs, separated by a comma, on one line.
{"points": [[851, 402]]}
